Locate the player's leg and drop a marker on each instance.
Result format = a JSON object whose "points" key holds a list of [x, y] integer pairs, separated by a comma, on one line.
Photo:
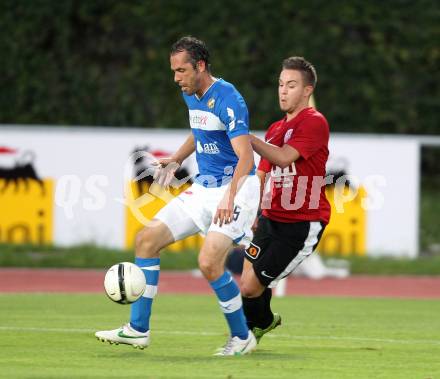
{"points": [[287, 246], [171, 224], [256, 298], [256, 295], [211, 262], [149, 241], [256, 303], [136, 332], [213, 256]]}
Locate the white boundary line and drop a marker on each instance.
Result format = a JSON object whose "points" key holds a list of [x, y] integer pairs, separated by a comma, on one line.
{"points": [[188, 333]]}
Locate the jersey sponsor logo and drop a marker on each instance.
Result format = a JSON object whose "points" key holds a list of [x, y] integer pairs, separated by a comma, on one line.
{"points": [[288, 135], [211, 148], [196, 119], [205, 120], [232, 117], [199, 147], [211, 103], [253, 251], [207, 148]]}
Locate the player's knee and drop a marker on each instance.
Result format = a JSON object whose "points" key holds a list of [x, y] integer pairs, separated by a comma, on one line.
{"points": [[250, 288], [210, 269], [146, 243], [246, 290]]}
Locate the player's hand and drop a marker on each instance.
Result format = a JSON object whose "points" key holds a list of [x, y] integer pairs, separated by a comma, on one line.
{"points": [[165, 170], [225, 210]]}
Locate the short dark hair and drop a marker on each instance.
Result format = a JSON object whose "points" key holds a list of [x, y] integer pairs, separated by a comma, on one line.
{"points": [[306, 68], [195, 48]]}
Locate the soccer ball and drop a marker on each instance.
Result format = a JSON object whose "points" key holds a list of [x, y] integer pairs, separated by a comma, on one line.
{"points": [[124, 283]]}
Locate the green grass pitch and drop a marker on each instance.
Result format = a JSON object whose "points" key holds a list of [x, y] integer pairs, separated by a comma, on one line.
{"points": [[51, 336]]}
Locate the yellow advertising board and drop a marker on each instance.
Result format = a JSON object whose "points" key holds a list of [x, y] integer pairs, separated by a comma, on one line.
{"points": [[346, 232], [26, 211]]}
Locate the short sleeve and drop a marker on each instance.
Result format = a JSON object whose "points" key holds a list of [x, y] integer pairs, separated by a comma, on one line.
{"points": [[310, 136], [234, 115]]}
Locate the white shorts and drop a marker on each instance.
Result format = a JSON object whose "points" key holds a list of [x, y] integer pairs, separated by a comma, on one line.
{"points": [[194, 209]]}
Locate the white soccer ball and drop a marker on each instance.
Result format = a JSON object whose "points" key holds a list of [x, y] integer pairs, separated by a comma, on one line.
{"points": [[124, 283]]}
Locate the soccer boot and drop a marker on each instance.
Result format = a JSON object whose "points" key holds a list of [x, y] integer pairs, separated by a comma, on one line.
{"points": [[125, 335], [237, 346], [259, 333]]}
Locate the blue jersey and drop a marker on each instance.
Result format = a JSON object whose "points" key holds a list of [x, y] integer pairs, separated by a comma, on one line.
{"points": [[218, 116]]}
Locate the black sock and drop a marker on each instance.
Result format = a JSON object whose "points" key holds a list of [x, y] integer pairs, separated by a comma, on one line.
{"points": [[252, 307], [266, 316], [257, 310]]}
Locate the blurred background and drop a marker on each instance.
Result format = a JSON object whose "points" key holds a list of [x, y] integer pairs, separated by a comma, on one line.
{"points": [[76, 67], [107, 62]]}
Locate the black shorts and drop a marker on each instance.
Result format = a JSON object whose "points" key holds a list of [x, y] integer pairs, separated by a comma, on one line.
{"points": [[278, 247]]}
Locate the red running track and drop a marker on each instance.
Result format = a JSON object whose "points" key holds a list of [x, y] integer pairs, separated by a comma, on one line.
{"points": [[90, 281]]}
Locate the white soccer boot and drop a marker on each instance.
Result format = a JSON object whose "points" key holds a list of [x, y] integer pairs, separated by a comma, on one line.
{"points": [[237, 346], [125, 335]]}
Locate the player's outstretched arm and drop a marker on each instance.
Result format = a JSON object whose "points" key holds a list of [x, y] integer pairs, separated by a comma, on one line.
{"points": [[279, 156]]}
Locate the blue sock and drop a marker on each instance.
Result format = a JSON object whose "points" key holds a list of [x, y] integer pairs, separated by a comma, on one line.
{"points": [[141, 309], [231, 304]]}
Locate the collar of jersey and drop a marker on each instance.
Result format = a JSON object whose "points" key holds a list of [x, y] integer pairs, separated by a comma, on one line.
{"points": [[298, 117], [208, 89]]}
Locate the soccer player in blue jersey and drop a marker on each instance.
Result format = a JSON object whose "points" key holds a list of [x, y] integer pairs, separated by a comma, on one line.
{"points": [[221, 204]]}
